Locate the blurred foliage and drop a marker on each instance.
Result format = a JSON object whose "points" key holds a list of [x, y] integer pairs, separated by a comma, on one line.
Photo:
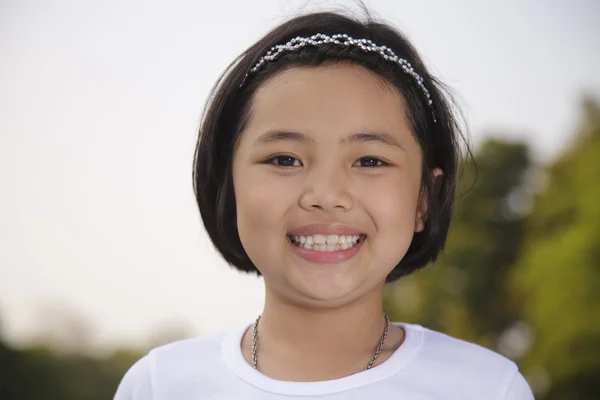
{"points": [[41, 373], [520, 275], [521, 269], [558, 273]]}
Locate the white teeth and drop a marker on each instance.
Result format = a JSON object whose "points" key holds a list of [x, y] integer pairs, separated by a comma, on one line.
{"points": [[332, 239], [320, 242], [319, 239]]}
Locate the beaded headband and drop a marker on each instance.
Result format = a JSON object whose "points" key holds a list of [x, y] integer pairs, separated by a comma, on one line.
{"points": [[343, 39]]}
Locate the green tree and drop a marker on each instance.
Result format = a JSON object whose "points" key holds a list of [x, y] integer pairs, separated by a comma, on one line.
{"points": [[466, 293], [39, 373], [559, 273]]}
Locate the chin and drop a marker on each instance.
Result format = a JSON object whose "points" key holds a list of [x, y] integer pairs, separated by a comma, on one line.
{"points": [[329, 291]]}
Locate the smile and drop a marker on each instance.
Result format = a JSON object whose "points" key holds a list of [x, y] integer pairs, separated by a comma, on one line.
{"points": [[326, 243], [326, 249]]}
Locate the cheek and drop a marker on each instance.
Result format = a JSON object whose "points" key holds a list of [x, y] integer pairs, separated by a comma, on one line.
{"points": [[252, 204], [261, 204], [392, 206]]}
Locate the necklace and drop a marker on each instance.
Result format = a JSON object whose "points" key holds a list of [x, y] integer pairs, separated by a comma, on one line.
{"points": [[369, 365]]}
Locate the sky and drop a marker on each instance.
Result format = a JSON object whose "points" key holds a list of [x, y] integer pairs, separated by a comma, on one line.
{"points": [[99, 108]]}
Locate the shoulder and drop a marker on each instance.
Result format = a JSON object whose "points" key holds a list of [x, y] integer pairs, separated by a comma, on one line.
{"points": [[440, 346], [168, 364], [468, 365], [184, 351]]}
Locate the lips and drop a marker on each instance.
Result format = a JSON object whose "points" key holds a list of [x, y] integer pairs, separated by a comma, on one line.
{"points": [[326, 243], [325, 229], [320, 242], [327, 257]]}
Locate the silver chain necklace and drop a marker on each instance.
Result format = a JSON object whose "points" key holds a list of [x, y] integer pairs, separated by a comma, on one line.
{"points": [[369, 365]]}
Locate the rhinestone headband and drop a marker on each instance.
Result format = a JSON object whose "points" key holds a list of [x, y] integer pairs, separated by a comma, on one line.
{"points": [[343, 39]]}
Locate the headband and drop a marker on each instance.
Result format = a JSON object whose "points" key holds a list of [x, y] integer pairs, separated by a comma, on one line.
{"points": [[343, 39]]}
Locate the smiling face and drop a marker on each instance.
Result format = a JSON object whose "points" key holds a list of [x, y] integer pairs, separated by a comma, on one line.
{"points": [[327, 156]]}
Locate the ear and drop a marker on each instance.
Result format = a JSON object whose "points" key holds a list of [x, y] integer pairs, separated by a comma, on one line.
{"points": [[422, 207]]}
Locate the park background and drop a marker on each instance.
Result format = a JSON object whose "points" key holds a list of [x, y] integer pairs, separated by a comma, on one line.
{"points": [[102, 251]]}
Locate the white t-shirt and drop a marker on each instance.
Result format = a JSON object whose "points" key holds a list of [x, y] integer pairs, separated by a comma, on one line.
{"points": [[427, 366]]}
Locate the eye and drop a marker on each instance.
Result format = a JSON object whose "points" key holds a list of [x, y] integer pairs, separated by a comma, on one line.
{"points": [[284, 161], [369, 162]]}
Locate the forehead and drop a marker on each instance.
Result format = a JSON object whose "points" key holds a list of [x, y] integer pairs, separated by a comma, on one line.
{"points": [[341, 98]]}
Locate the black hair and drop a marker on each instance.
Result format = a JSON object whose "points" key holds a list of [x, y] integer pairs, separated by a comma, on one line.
{"points": [[227, 112]]}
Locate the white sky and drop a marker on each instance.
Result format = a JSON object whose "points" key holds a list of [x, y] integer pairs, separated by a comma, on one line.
{"points": [[99, 105]]}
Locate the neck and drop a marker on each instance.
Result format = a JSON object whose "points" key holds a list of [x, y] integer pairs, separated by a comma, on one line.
{"points": [[301, 343], [327, 332]]}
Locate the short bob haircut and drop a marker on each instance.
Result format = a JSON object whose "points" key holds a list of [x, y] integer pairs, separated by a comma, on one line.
{"points": [[227, 112]]}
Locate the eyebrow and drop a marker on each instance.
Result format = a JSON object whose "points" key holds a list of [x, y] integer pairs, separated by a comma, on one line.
{"points": [[275, 136], [379, 137]]}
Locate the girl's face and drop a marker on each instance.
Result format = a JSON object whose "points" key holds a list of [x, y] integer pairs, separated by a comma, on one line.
{"points": [[327, 155]]}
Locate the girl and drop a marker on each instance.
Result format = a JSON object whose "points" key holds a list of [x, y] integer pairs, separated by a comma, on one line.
{"points": [[326, 162]]}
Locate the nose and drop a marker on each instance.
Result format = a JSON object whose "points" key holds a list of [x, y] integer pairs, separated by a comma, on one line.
{"points": [[326, 188]]}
